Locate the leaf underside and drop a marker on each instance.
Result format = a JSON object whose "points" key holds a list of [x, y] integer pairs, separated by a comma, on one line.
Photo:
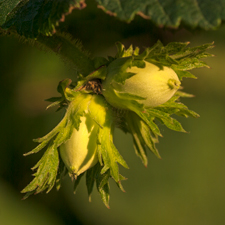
{"points": [[205, 14], [34, 17]]}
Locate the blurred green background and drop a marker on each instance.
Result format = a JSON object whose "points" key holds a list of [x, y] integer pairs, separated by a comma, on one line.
{"points": [[185, 187]]}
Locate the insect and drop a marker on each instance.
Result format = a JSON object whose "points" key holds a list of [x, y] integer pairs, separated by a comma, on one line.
{"points": [[94, 85]]}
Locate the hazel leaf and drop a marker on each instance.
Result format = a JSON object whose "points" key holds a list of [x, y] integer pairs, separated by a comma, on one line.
{"points": [[100, 73], [77, 182], [33, 17], [109, 153], [203, 14], [103, 188], [165, 118], [139, 145], [46, 139], [93, 176], [46, 173], [118, 68]]}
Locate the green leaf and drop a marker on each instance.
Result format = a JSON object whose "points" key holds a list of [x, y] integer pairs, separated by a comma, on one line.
{"points": [[130, 101], [129, 96], [62, 172], [185, 112], [63, 85], [141, 121], [142, 137], [93, 176], [60, 101], [103, 188], [47, 167], [77, 108], [118, 69], [182, 74], [177, 56], [183, 95], [173, 107], [149, 139], [76, 182], [55, 102], [46, 173], [189, 64], [33, 17], [86, 83], [100, 61], [165, 118], [108, 152], [122, 52], [205, 14], [100, 73], [44, 140], [99, 110], [6, 6], [149, 120]]}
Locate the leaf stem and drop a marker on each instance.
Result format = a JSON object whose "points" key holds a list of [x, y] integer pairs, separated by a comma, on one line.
{"points": [[70, 51]]}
